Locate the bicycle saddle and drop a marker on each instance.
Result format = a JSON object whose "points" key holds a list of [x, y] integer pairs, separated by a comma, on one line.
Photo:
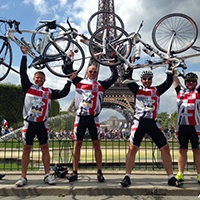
{"points": [[50, 23]]}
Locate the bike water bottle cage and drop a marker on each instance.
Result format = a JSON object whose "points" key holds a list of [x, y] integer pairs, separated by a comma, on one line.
{"points": [[191, 76], [146, 73]]}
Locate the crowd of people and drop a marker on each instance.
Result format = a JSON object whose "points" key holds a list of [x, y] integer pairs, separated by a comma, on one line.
{"points": [[89, 93]]}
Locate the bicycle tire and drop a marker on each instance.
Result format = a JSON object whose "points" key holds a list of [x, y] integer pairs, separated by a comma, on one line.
{"points": [[100, 15], [117, 40], [5, 57], [56, 63], [185, 28], [56, 33]]}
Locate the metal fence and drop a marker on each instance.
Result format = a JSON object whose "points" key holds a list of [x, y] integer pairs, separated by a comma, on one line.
{"points": [[113, 150]]}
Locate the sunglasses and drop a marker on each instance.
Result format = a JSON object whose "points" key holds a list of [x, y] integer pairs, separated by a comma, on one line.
{"points": [[191, 81], [149, 79], [92, 71]]}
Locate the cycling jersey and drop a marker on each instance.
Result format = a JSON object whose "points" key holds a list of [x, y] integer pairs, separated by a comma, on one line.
{"points": [[147, 99], [188, 102], [89, 94]]}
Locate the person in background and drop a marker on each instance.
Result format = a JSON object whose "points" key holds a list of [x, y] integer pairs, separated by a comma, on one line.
{"points": [[37, 102], [188, 123], [147, 99]]}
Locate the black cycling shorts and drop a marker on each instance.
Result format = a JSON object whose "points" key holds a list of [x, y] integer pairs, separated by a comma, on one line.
{"points": [[82, 123], [188, 133], [150, 127], [32, 129]]}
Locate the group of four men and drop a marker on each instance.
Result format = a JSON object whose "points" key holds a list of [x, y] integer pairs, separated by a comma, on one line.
{"points": [[88, 103]]}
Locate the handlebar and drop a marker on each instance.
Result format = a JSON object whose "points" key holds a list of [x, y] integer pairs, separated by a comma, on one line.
{"points": [[11, 23]]}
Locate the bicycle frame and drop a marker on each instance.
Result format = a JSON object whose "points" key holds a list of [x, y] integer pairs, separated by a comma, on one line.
{"points": [[47, 39]]}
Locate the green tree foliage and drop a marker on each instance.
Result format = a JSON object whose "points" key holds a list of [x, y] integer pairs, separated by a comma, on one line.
{"points": [[11, 102], [55, 108], [167, 121]]}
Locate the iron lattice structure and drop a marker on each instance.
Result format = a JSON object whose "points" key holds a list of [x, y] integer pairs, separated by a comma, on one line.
{"points": [[117, 97]]}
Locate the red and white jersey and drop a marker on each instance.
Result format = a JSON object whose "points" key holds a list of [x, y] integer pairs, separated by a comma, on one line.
{"points": [[188, 102], [37, 104], [89, 97], [147, 102]]}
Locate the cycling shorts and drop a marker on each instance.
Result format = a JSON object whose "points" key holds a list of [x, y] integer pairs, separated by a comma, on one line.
{"points": [[82, 123], [150, 127], [188, 133], [32, 129]]}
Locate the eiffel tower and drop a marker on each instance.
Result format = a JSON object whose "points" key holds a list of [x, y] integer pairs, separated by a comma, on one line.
{"points": [[118, 97]]}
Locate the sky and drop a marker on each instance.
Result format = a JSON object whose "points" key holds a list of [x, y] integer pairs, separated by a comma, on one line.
{"points": [[133, 12]]}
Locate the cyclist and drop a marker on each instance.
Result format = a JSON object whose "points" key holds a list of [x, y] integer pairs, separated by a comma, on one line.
{"points": [[188, 127], [37, 103], [145, 122], [88, 104]]}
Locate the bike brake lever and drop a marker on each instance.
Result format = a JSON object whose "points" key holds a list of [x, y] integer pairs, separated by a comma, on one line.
{"points": [[74, 34], [16, 25]]}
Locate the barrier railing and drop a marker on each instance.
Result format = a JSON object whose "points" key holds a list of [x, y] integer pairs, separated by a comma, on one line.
{"points": [[113, 151]]}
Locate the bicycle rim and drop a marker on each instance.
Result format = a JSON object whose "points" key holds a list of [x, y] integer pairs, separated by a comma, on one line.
{"points": [[5, 58], [55, 64], [103, 18], [57, 32], [116, 41], [185, 29]]}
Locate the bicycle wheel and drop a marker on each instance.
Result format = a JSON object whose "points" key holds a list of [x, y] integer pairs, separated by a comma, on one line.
{"points": [[103, 18], [112, 47], [55, 61], [5, 58], [40, 37], [183, 26]]}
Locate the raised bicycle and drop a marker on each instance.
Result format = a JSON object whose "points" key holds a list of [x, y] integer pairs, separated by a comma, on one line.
{"points": [[172, 34], [51, 49]]}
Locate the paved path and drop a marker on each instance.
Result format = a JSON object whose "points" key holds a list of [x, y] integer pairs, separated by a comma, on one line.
{"points": [[142, 184]]}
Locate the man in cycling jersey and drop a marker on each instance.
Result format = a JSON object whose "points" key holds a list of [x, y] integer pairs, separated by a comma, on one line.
{"points": [[188, 124], [147, 99], [88, 104], [37, 103]]}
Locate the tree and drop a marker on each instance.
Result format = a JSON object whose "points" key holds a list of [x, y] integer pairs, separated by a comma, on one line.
{"points": [[163, 119], [167, 121]]}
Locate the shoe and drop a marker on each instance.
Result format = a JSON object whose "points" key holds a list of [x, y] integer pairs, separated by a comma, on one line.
{"points": [[49, 179], [21, 182], [100, 177], [174, 182], [72, 177], [198, 179], [1, 176], [180, 177], [126, 181]]}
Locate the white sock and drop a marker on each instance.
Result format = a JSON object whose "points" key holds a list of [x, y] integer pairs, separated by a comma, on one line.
{"points": [[128, 175], [170, 176]]}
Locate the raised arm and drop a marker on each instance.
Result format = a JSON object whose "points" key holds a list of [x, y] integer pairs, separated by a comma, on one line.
{"points": [[108, 82], [25, 82]]}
